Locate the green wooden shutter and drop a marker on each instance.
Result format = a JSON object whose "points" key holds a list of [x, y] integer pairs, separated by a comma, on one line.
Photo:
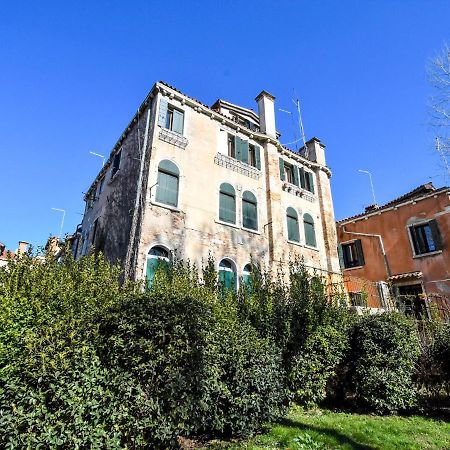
{"points": [[152, 267], [296, 176], [249, 211], [341, 256], [227, 280], [241, 149], [167, 189], [359, 252], [293, 233], [302, 178], [310, 182], [436, 235], [257, 157], [178, 121], [310, 233], [282, 177], [162, 116]]}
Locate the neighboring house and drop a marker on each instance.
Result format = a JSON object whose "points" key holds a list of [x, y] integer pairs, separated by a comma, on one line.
{"points": [[406, 243], [193, 180], [6, 254]]}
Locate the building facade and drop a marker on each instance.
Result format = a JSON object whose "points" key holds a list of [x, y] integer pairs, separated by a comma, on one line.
{"points": [[195, 181], [405, 243]]}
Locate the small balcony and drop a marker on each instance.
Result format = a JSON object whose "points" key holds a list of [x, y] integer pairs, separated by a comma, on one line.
{"points": [[172, 137], [237, 166], [298, 191]]}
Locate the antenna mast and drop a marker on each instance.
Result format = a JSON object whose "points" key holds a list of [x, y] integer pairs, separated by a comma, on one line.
{"points": [[300, 124]]}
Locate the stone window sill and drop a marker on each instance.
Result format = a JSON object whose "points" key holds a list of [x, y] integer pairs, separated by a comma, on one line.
{"points": [[163, 205], [423, 255]]}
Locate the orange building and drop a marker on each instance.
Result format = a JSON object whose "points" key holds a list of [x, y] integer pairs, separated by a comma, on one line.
{"points": [[405, 243]]}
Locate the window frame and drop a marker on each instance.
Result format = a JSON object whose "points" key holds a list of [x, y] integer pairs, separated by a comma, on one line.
{"points": [[223, 192], [115, 168], [417, 241], [312, 222], [288, 216], [355, 245], [174, 172], [254, 202], [233, 269]]}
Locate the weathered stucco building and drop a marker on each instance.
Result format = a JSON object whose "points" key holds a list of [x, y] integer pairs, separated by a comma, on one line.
{"points": [[193, 180], [406, 243]]}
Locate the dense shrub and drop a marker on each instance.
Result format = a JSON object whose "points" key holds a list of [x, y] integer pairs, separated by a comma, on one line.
{"points": [[384, 351], [86, 363]]}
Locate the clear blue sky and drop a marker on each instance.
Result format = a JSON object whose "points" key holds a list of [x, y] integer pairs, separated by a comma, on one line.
{"points": [[72, 74]]}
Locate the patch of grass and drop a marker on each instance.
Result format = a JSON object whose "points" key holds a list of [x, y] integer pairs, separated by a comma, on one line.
{"points": [[322, 429]]}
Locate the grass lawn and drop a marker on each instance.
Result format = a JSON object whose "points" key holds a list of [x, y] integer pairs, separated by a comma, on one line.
{"points": [[322, 429]]}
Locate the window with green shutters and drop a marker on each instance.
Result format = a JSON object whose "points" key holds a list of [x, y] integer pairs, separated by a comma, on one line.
{"points": [[242, 150], [167, 188], [170, 117], [292, 225], [227, 203], [227, 276], [158, 259], [249, 211], [310, 232], [309, 182]]}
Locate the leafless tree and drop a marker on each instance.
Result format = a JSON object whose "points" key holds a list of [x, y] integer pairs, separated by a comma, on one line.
{"points": [[439, 75]]}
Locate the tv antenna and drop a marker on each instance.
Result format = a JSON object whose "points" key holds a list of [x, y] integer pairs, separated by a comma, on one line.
{"points": [[302, 138]]}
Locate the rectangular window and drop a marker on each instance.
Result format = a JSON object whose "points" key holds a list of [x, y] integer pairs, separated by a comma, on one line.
{"points": [[116, 163], [252, 155], [231, 146], [425, 237], [174, 119], [352, 254], [227, 209], [100, 187], [289, 173], [309, 182]]}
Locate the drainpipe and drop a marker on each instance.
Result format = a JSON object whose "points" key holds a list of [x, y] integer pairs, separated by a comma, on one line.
{"points": [[386, 262]]}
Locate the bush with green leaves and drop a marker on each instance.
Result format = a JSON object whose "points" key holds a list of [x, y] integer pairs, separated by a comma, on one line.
{"points": [[88, 363], [384, 352]]}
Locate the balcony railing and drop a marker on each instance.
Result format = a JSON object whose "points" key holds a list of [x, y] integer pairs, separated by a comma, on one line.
{"points": [[173, 138], [237, 166], [298, 191]]}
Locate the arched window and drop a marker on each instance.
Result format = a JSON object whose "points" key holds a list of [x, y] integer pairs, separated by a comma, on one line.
{"points": [[227, 275], [292, 225], [249, 211], [310, 232], [157, 258], [227, 203], [247, 277], [168, 177]]}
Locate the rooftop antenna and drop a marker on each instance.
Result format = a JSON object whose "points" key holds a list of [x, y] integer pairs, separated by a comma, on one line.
{"points": [[371, 184], [441, 153], [62, 219], [300, 124], [100, 156]]}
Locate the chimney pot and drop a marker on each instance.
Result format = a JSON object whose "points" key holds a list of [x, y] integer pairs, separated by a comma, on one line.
{"points": [[266, 112]]}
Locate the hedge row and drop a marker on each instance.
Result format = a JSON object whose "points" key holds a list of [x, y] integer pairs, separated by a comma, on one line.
{"points": [[86, 362]]}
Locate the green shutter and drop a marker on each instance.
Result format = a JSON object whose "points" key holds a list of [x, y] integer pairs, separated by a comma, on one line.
{"points": [[162, 116], [295, 173], [309, 182], [227, 280], [250, 215], [310, 233], [302, 178], [257, 157], [178, 121], [359, 252], [247, 283], [152, 267], [227, 207], [241, 149], [167, 189], [293, 233], [341, 256], [282, 177]]}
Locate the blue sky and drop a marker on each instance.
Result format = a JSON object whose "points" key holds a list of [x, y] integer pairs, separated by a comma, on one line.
{"points": [[72, 74]]}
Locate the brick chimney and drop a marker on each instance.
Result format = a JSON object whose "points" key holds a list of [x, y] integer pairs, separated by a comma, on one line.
{"points": [[266, 112], [23, 247]]}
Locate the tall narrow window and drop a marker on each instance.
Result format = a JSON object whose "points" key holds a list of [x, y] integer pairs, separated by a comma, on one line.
{"points": [[351, 254], [231, 146], [175, 119], [157, 259], [249, 211], [227, 203], [292, 225], [247, 277], [227, 276], [167, 189], [116, 163], [310, 232]]}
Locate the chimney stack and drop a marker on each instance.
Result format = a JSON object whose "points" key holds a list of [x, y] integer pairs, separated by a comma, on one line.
{"points": [[266, 112], [23, 247]]}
